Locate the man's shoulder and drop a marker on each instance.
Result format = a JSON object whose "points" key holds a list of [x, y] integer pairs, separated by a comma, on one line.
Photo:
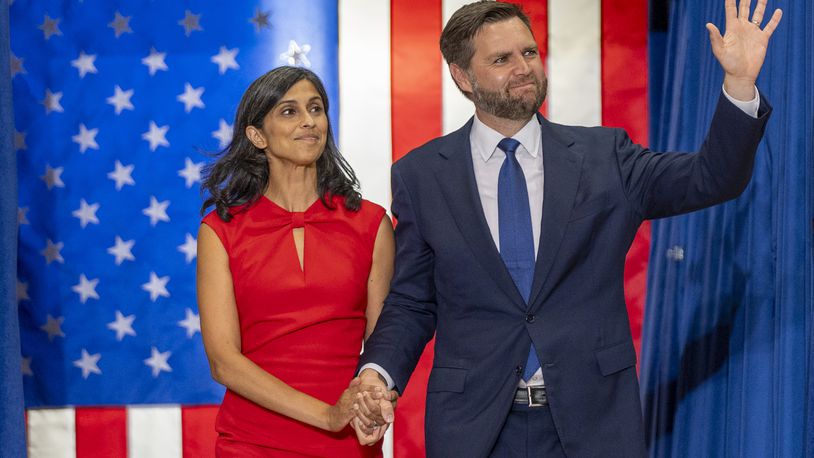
{"points": [[595, 141], [424, 155], [581, 133]]}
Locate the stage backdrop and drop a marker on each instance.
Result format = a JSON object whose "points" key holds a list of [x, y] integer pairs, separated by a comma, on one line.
{"points": [[727, 365], [116, 105], [11, 384]]}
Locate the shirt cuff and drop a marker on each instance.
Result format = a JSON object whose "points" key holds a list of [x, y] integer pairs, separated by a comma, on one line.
{"points": [[751, 107], [380, 370]]}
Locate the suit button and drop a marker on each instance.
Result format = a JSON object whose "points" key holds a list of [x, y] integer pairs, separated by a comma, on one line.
{"points": [[529, 318], [518, 370]]}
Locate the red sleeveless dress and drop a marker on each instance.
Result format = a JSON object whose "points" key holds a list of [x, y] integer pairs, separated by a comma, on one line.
{"points": [[304, 326]]}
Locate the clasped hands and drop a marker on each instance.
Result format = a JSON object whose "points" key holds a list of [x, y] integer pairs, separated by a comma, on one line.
{"points": [[367, 405]]}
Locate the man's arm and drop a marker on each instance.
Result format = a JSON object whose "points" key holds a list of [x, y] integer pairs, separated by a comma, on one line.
{"points": [[407, 321], [658, 184], [667, 184], [750, 107]]}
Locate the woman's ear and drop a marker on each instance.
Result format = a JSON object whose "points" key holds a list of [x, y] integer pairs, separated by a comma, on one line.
{"points": [[256, 137]]}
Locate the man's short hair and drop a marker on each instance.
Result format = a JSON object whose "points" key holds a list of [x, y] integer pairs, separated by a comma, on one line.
{"points": [[456, 39]]}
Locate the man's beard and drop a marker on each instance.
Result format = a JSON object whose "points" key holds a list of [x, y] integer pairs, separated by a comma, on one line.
{"points": [[503, 105]]}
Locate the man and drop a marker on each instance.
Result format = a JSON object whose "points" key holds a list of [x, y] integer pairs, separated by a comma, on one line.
{"points": [[511, 240]]}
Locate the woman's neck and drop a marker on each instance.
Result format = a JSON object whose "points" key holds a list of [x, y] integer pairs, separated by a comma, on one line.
{"points": [[292, 187]]}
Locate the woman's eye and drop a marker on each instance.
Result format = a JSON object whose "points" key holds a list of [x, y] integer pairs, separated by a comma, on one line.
{"points": [[287, 112], [316, 109]]}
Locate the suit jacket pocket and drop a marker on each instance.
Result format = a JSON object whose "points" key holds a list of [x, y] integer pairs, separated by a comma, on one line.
{"points": [[591, 207], [447, 379], [613, 359]]}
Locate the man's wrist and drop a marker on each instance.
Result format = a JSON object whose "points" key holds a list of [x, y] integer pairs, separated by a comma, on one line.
{"points": [[371, 373], [380, 372], [750, 107], [742, 89]]}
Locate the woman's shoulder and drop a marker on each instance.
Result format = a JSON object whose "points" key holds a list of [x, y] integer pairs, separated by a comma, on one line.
{"points": [[367, 209], [235, 214], [372, 208]]}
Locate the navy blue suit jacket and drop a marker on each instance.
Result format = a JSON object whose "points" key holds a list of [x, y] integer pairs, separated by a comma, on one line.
{"points": [[450, 280]]}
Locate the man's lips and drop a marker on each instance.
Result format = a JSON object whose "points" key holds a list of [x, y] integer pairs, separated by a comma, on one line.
{"points": [[523, 84]]}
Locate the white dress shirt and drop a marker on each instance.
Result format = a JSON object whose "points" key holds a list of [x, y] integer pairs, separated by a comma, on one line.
{"points": [[487, 159]]}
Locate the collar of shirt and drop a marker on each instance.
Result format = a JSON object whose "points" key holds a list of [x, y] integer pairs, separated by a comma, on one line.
{"points": [[484, 139]]}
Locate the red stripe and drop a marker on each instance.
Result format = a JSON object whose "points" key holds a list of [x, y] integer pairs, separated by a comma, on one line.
{"points": [[101, 432], [624, 104], [416, 64], [415, 73], [537, 11], [198, 431], [624, 66], [636, 282]]}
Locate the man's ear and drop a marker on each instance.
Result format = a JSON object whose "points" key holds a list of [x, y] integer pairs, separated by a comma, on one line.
{"points": [[256, 137], [461, 78]]}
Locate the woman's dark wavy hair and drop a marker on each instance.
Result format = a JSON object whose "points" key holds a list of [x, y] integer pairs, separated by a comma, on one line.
{"points": [[240, 174]]}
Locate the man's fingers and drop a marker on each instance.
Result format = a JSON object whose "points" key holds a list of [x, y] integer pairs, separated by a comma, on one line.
{"points": [[715, 38], [773, 22], [374, 408], [361, 388], [387, 411], [364, 419], [364, 407], [376, 392], [731, 10], [757, 16], [743, 12]]}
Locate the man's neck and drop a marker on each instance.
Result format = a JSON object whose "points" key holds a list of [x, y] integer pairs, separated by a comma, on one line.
{"points": [[506, 127]]}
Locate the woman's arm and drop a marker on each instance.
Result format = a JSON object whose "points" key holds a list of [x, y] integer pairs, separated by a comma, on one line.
{"points": [[381, 272], [221, 336]]}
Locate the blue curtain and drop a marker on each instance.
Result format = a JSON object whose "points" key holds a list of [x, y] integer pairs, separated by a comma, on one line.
{"points": [[12, 430], [727, 347]]}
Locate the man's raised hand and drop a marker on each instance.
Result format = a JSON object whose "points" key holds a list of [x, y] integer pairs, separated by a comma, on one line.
{"points": [[742, 49]]}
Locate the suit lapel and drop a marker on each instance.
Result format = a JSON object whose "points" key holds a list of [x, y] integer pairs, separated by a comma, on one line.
{"points": [[562, 168], [456, 177]]}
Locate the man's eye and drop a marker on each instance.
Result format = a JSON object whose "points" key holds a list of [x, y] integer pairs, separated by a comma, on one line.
{"points": [[500, 60], [531, 52]]}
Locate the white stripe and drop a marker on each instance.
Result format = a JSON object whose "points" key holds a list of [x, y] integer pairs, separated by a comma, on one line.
{"points": [[51, 433], [364, 94], [365, 101], [575, 62], [457, 108], [154, 431], [387, 443]]}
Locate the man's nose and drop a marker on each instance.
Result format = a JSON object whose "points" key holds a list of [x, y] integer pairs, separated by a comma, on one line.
{"points": [[522, 66]]}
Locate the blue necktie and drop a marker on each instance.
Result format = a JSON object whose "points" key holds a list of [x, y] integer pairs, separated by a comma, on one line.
{"points": [[516, 239]]}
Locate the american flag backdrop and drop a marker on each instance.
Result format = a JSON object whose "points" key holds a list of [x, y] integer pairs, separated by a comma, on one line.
{"points": [[116, 105]]}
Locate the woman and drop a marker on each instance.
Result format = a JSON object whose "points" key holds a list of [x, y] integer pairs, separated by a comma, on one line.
{"points": [[293, 267]]}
